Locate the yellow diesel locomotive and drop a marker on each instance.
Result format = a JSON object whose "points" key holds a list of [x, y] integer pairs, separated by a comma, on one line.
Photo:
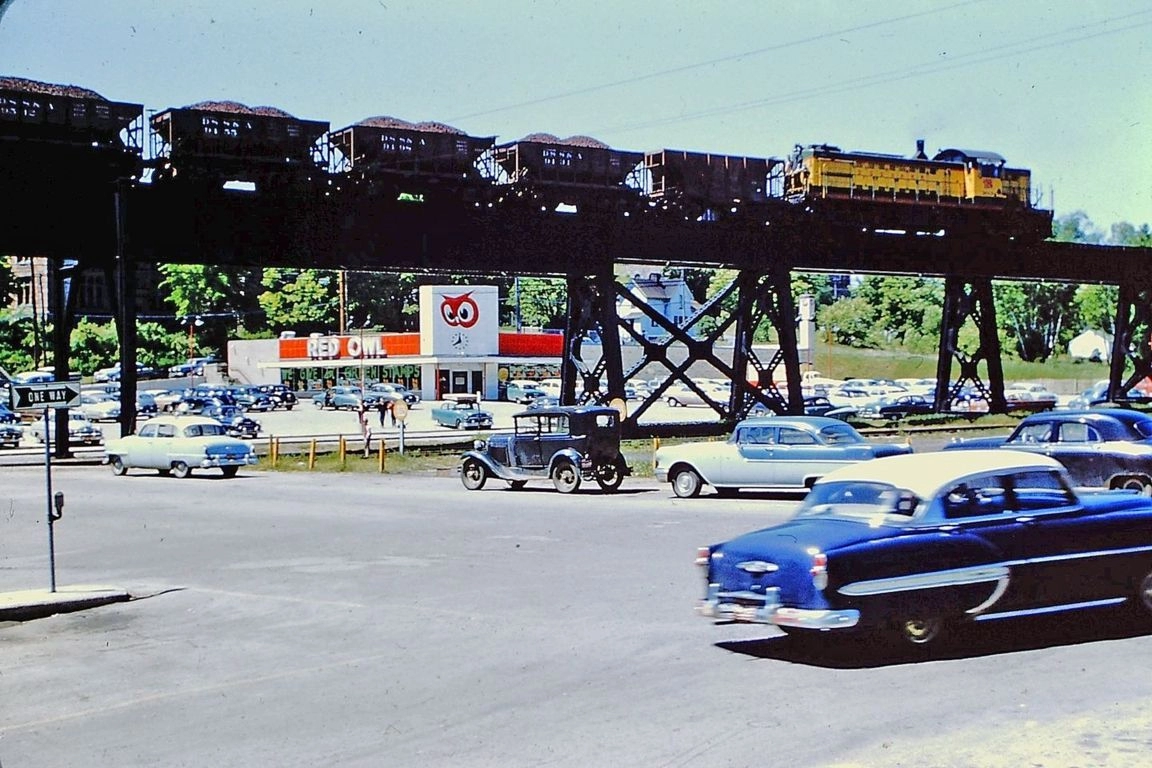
{"points": [[977, 187]]}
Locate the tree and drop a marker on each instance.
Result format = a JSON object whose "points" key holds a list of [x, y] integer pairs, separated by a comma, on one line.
{"points": [[304, 300], [544, 301], [7, 281], [1036, 317], [1075, 227], [903, 306], [848, 321]]}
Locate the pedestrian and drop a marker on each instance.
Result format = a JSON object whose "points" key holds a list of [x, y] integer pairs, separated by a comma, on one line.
{"points": [[383, 405], [392, 411], [365, 428]]}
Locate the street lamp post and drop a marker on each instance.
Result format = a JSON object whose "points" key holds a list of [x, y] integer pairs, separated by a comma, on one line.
{"points": [[194, 321]]}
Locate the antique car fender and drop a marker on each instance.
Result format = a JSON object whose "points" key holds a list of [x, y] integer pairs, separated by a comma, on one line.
{"points": [[941, 572], [494, 469], [569, 455]]}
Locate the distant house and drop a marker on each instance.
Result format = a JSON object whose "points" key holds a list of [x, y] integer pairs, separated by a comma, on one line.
{"points": [[669, 296], [1091, 345]]}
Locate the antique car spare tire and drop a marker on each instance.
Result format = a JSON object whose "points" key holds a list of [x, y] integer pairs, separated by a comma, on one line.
{"points": [[473, 474], [180, 469], [565, 477], [686, 483]]}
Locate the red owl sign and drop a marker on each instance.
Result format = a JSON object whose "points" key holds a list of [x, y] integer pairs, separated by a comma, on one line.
{"points": [[460, 320]]}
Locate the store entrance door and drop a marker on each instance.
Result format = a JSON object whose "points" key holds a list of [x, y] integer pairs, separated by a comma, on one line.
{"points": [[459, 382]]}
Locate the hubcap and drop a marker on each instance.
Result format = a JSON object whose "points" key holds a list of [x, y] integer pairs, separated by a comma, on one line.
{"points": [[1146, 592], [920, 631]]}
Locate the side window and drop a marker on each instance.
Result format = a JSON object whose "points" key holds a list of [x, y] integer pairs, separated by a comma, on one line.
{"points": [[529, 425], [148, 430], [976, 497], [1039, 490], [605, 420], [789, 436], [1078, 433], [166, 430], [554, 425], [1033, 433], [756, 436]]}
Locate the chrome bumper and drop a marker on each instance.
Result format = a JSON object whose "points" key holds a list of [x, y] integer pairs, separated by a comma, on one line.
{"points": [[223, 461], [765, 608]]}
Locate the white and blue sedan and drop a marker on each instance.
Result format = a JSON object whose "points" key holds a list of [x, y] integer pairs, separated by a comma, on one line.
{"points": [[771, 453], [178, 444], [909, 546]]}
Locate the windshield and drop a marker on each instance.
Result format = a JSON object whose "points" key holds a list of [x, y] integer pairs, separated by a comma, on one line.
{"points": [[857, 498]]}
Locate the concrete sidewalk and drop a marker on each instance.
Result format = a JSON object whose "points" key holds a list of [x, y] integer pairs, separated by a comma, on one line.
{"points": [[27, 604]]}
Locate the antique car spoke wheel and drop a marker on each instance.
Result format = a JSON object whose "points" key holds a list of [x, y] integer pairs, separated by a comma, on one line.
{"points": [[686, 483], [609, 476], [565, 477], [921, 631], [473, 474], [180, 469], [117, 464]]}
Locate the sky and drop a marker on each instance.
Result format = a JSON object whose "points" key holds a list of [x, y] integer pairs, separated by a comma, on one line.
{"points": [[1060, 87]]}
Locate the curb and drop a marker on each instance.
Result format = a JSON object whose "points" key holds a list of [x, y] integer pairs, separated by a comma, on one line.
{"points": [[28, 604]]}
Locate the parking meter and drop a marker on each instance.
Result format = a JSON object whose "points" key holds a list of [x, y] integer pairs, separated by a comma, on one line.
{"points": [[58, 503]]}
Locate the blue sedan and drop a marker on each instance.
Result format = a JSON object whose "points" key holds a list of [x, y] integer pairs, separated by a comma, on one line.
{"points": [[1100, 447], [911, 545]]}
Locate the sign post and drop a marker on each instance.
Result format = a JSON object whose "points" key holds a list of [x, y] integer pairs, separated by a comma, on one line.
{"points": [[400, 412], [48, 395]]}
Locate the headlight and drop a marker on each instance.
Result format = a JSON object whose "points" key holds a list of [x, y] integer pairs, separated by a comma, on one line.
{"points": [[479, 445]]}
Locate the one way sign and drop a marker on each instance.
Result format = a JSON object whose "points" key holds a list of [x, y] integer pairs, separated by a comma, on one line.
{"points": [[51, 394]]}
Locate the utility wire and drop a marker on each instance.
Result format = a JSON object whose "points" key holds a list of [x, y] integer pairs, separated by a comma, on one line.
{"points": [[711, 62], [883, 78]]}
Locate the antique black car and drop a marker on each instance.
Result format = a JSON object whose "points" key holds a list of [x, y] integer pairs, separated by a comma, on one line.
{"points": [[564, 444]]}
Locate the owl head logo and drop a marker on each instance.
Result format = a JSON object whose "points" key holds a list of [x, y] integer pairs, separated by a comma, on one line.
{"points": [[459, 311]]}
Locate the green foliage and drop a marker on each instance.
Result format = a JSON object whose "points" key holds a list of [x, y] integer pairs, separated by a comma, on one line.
{"points": [[304, 300], [16, 345], [1096, 307], [1075, 227], [1126, 234], [94, 346], [848, 321], [543, 301], [7, 281], [1037, 317], [902, 306]]}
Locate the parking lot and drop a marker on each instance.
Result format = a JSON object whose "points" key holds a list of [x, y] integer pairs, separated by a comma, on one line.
{"points": [[328, 619]]}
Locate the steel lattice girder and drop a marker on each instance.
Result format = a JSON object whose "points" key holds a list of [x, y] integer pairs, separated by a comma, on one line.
{"points": [[969, 298], [744, 303]]}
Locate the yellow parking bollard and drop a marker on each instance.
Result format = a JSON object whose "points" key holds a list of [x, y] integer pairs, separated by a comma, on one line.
{"points": [[312, 454], [343, 452], [381, 455]]}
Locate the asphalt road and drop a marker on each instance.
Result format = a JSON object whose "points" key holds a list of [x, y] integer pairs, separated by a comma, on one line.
{"points": [[308, 620]]}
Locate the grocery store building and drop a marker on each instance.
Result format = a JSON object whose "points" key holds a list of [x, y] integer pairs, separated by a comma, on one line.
{"points": [[459, 349]]}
